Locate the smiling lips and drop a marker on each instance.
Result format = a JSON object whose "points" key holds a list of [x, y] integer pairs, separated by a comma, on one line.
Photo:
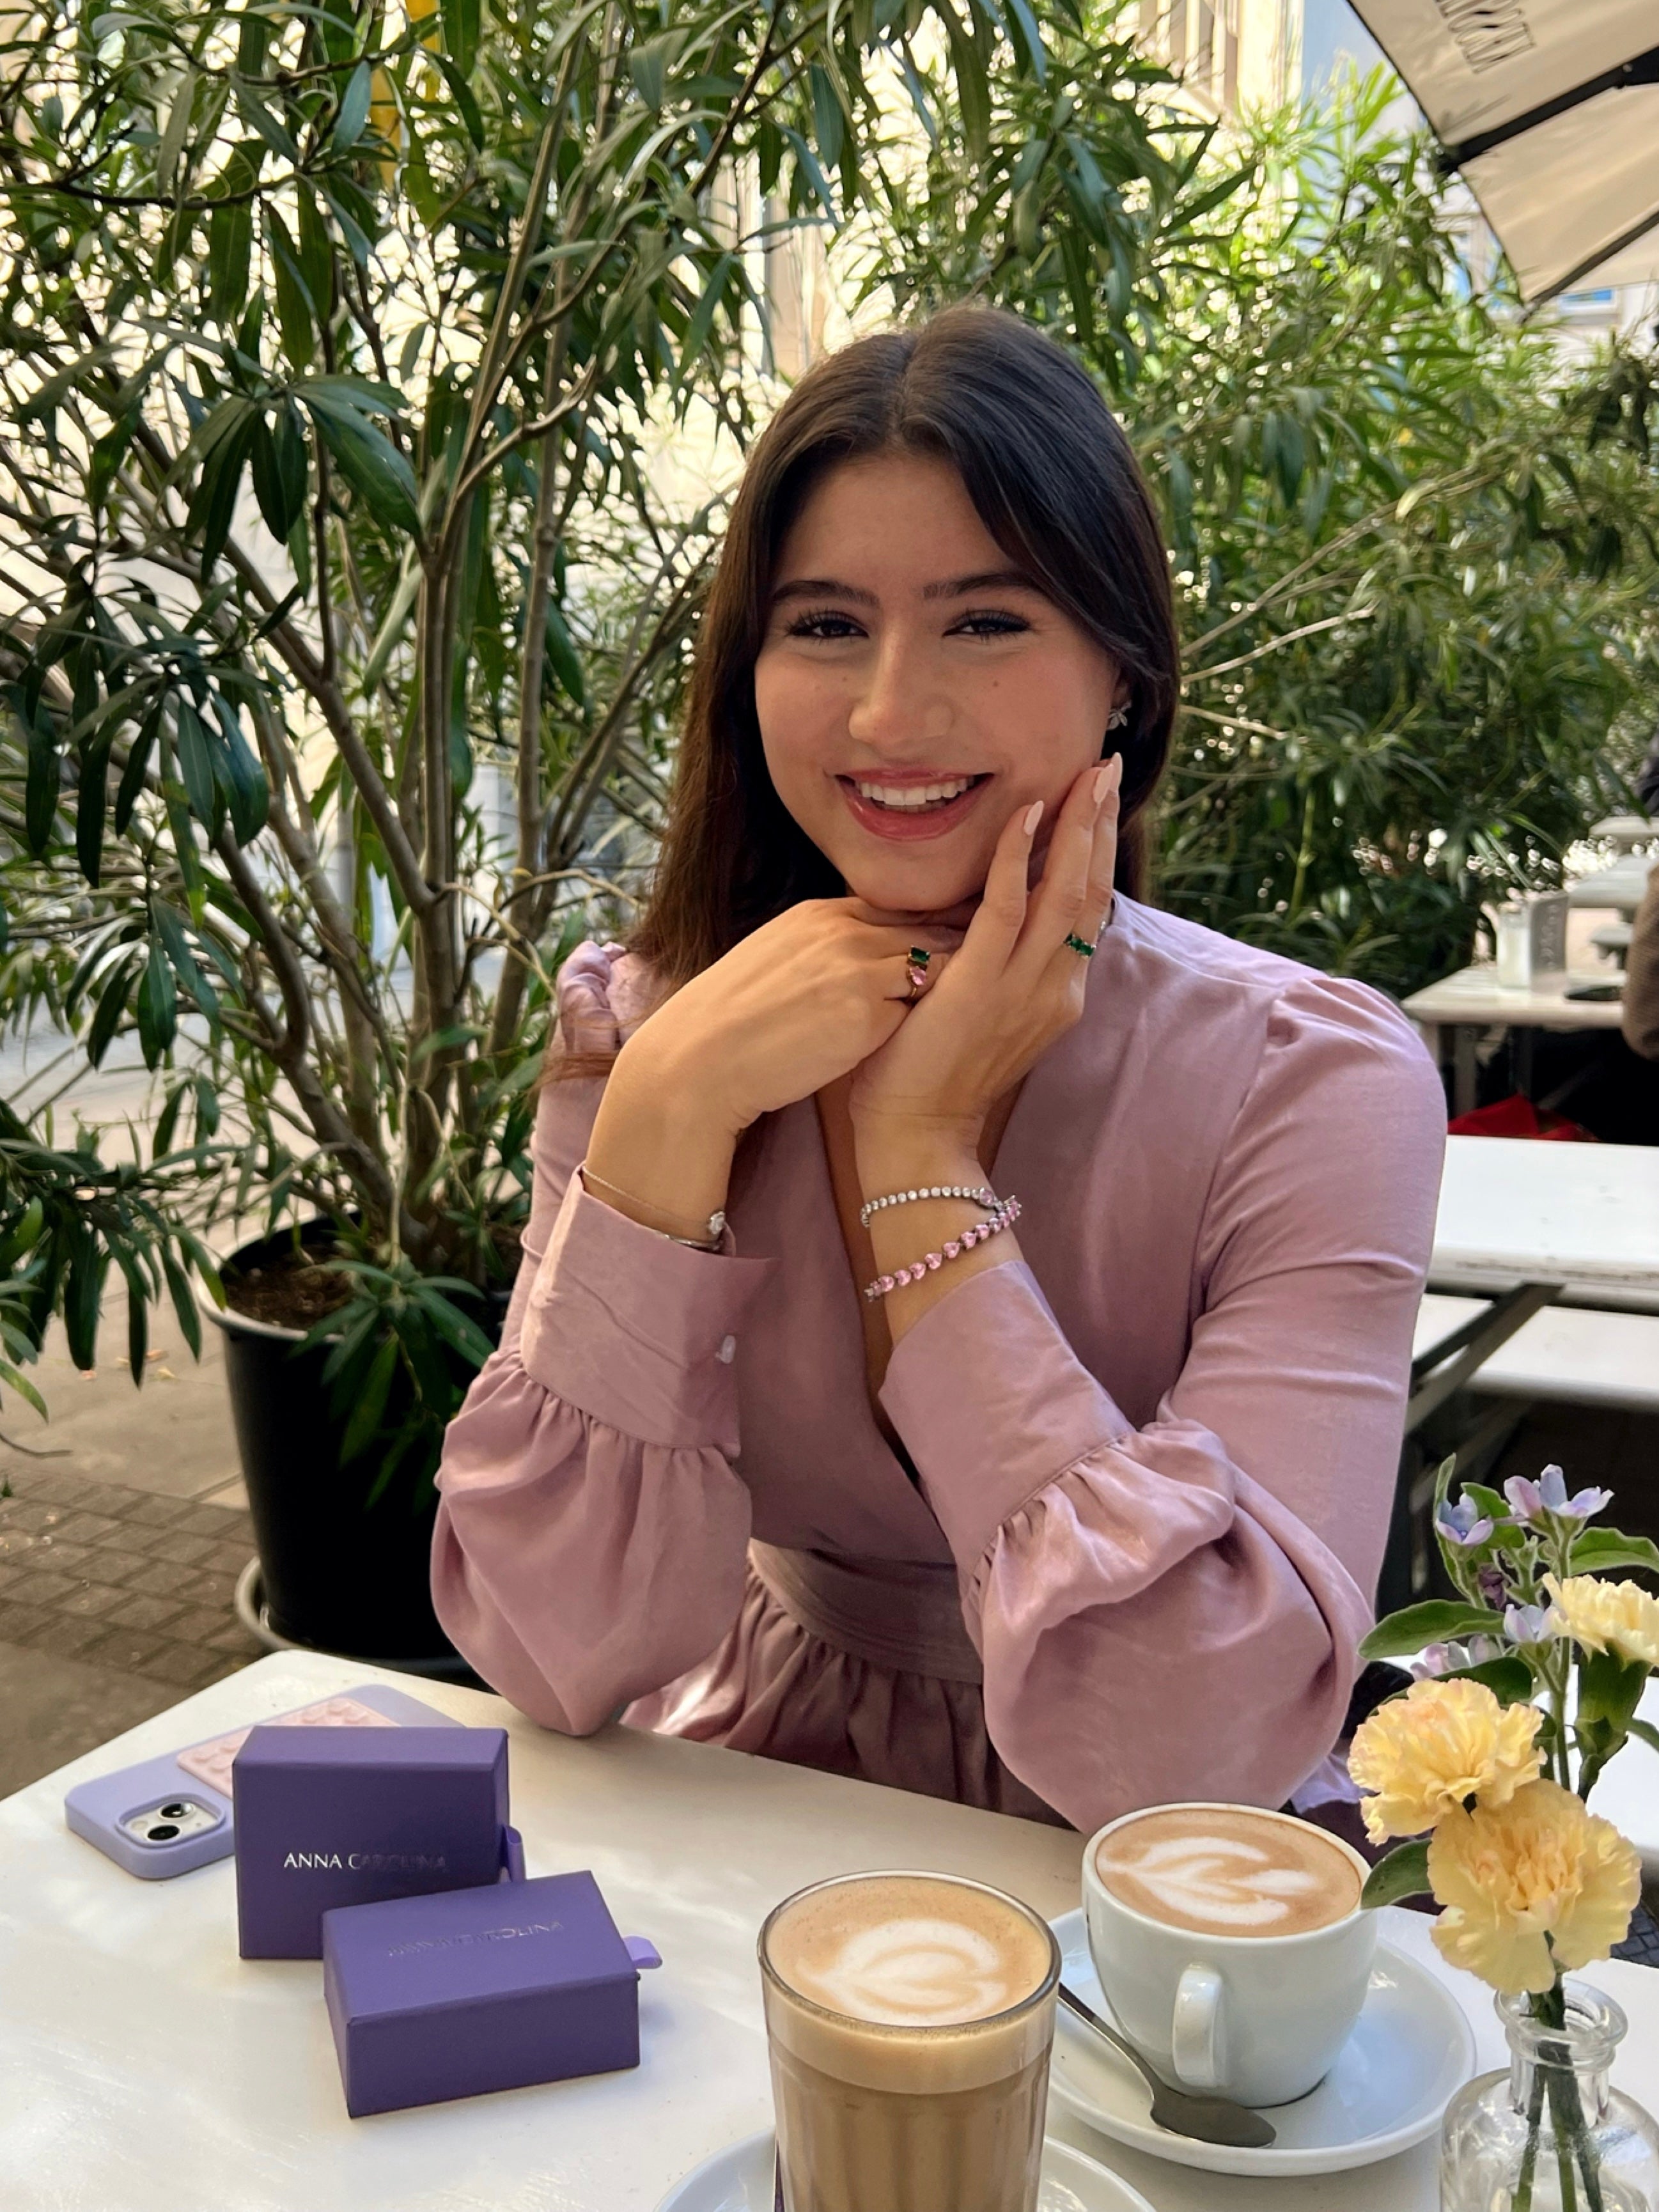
{"points": [[923, 803]]}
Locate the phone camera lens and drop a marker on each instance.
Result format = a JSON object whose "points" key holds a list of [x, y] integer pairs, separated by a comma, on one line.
{"points": [[163, 1833], [175, 1812]]}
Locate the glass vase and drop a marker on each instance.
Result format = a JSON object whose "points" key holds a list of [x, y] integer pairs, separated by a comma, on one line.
{"points": [[1550, 2134]]}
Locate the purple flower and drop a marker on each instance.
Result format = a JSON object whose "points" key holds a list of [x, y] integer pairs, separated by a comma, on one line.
{"points": [[1449, 1658], [1463, 1523], [1528, 1623], [1530, 1502], [1492, 1586]]}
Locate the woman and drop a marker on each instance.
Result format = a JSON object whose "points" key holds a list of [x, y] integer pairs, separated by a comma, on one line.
{"points": [[1074, 1517]]}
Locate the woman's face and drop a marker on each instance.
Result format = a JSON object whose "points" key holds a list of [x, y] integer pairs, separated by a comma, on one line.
{"points": [[914, 690]]}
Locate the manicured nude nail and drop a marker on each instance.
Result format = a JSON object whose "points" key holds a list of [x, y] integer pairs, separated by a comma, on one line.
{"points": [[1031, 816], [1104, 780]]}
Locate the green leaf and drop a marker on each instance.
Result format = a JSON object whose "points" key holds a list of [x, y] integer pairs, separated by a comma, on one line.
{"points": [[471, 114], [295, 311], [1646, 1732], [460, 22], [1600, 1550], [367, 460], [1437, 1620], [157, 1006], [169, 926], [354, 109], [316, 251], [562, 658], [364, 1424], [44, 782], [195, 763], [184, 1305], [258, 117], [240, 776], [224, 449], [177, 128], [829, 123], [1403, 1873], [281, 473], [1509, 1680], [133, 776], [111, 1004], [92, 799]]}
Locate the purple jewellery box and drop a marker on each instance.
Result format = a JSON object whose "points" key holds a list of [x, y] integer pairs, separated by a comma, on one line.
{"points": [[434, 1997], [327, 1817]]}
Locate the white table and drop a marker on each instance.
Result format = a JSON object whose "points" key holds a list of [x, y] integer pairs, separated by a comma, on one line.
{"points": [[143, 2067], [1585, 1216], [1458, 1007]]}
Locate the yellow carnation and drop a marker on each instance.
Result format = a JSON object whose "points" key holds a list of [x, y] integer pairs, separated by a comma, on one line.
{"points": [[1530, 1886], [1617, 1617], [1421, 1755]]}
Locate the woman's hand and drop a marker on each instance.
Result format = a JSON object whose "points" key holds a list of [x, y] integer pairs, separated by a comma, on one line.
{"points": [[919, 1101], [800, 1002]]}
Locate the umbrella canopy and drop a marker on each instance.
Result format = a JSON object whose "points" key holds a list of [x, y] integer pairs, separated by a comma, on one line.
{"points": [[1549, 111]]}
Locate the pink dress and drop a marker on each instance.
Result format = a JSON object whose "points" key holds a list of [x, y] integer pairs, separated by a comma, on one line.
{"points": [[1156, 1457]]}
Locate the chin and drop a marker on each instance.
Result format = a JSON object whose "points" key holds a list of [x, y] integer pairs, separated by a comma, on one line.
{"points": [[907, 891]]}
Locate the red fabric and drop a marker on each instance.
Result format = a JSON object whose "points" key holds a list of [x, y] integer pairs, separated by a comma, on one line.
{"points": [[1519, 1117]]}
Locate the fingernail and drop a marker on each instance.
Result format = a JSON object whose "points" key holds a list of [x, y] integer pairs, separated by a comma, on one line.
{"points": [[1103, 784], [1031, 816]]}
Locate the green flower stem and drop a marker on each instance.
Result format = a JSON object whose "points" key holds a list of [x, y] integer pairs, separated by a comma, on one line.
{"points": [[1521, 2201]]}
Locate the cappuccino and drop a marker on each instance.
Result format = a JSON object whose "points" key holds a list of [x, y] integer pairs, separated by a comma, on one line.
{"points": [[909, 2017], [1226, 1870]]}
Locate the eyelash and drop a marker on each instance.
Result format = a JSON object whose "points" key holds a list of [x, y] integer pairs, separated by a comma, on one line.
{"points": [[812, 625]]}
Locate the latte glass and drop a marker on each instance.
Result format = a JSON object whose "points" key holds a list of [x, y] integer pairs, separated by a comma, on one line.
{"points": [[907, 2115]]}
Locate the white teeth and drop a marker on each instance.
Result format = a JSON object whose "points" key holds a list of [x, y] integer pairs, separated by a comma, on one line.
{"points": [[911, 795]]}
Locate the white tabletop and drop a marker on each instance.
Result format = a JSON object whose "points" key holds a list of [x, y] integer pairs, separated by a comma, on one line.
{"points": [[144, 2068], [1474, 995], [1514, 1208]]}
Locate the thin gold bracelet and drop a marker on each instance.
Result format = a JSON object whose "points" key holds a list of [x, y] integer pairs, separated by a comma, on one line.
{"points": [[716, 1229]]}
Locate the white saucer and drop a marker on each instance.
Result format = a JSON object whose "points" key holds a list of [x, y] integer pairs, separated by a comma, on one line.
{"points": [[739, 2179], [1411, 2049]]}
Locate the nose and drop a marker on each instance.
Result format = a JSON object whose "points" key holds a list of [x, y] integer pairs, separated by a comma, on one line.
{"points": [[898, 702]]}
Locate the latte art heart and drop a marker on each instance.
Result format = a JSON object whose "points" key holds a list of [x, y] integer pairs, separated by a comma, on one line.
{"points": [[1229, 1870], [915, 1972], [1232, 1884]]}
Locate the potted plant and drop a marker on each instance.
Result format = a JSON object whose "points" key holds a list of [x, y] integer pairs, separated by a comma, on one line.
{"points": [[342, 623]]}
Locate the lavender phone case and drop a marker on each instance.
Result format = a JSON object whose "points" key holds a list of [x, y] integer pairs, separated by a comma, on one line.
{"points": [[95, 1809]]}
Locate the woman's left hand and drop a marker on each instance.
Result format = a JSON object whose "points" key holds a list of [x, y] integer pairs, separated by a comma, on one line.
{"points": [[1012, 987]]}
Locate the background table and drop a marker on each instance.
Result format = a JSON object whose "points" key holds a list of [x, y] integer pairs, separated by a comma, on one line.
{"points": [[1585, 1217], [144, 2068], [1457, 1008]]}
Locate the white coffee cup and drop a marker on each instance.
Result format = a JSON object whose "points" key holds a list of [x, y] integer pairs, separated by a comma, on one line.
{"points": [[1258, 2017]]}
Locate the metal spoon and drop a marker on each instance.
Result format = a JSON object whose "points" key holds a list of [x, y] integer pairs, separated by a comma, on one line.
{"points": [[1207, 2119]]}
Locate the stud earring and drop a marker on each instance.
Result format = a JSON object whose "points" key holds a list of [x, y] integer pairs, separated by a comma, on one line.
{"points": [[1117, 718]]}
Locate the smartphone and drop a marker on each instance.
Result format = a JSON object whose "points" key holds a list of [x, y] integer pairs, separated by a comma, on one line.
{"points": [[166, 1815]]}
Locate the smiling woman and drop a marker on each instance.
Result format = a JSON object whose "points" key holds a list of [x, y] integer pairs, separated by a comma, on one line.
{"points": [[1062, 1526]]}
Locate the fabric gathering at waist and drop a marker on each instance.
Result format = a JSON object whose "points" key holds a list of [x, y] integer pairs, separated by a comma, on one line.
{"points": [[904, 1615]]}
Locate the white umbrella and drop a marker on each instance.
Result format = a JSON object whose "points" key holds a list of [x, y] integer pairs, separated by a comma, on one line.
{"points": [[1549, 109]]}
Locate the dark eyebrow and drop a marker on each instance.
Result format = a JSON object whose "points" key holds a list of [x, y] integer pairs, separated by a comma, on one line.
{"points": [[955, 588]]}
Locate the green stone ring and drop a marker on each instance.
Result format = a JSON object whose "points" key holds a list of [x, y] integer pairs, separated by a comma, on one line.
{"points": [[1080, 944]]}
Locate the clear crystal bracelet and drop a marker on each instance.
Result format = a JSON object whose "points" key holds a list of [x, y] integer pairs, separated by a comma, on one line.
{"points": [[935, 1190], [1007, 1213]]}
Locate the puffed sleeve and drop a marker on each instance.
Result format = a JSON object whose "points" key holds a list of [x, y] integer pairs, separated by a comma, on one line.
{"points": [[592, 1536], [1171, 1612]]}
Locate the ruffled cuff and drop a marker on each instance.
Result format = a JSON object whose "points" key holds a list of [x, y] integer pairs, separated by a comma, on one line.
{"points": [[992, 1404], [637, 1331]]}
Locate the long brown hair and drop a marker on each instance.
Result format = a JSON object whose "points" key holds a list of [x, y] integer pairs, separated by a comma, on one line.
{"points": [[1055, 483]]}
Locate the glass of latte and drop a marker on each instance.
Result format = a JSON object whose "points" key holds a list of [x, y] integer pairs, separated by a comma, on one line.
{"points": [[909, 2017], [1230, 1943]]}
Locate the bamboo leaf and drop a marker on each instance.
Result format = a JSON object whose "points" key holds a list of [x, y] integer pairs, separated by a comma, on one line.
{"points": [[195, 763], [460, 24], [367, 460]]}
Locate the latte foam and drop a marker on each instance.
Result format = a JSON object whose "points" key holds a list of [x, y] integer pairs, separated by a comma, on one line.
{"points": [[1225, 1870], [901, 1952]]}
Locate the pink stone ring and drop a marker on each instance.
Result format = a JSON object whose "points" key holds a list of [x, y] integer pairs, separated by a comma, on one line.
{"points": [[915, 973]]}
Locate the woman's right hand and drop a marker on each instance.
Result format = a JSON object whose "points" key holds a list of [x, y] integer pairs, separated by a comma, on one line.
{"points": [[800, 1002]]}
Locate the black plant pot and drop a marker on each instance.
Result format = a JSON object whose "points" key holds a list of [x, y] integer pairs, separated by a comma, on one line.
{"points": [[338, 1575]]}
